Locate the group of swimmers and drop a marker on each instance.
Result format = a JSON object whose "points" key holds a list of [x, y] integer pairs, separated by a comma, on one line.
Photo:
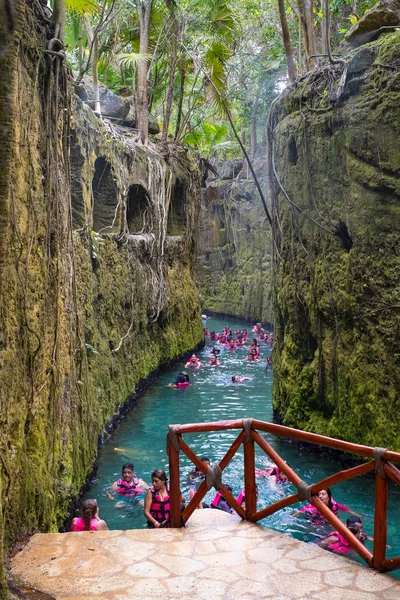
{"points": [[157, 506], [156, 500], [156, 503], [226, 338]]}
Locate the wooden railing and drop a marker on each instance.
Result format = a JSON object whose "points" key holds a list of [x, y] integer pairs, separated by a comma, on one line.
{"points": [[248, 436]]}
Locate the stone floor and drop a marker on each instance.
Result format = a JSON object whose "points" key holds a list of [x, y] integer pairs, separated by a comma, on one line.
{"points": [[217, 557]]}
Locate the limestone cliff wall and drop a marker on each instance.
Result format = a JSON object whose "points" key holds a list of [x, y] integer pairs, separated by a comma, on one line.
{"points": [[335, 151], [97, 289], [235, 251]]}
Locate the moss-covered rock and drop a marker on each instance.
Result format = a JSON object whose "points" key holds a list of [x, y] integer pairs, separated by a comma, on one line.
{"points": [[235, 252], [337, 155], [97, 280]]}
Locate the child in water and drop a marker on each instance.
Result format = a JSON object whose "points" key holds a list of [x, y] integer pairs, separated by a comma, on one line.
{"points": [[89, 521], [237, 379]]}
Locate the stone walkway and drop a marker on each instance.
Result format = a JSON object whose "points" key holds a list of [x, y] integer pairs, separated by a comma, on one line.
{"points": [[216, 557]]}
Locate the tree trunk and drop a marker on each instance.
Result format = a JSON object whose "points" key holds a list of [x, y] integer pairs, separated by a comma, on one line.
{"points": [[310, 44], [172, 71], [253, 130], [94, 45], [144, 11], [180, 103], [286, 41], [58, 19], [312, 41]]}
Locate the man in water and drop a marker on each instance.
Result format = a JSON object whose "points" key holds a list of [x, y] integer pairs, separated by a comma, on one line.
{"points": [[128, 486]]}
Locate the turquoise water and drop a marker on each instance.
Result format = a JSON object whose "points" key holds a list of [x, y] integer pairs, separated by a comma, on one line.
{"points": [[140, 439]]}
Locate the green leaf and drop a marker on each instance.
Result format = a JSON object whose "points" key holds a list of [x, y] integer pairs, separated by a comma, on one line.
{"points": [[131, 58], [82, 7]]}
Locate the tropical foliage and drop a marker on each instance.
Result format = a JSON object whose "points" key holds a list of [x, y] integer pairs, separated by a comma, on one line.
{"points": [[193, 60]]}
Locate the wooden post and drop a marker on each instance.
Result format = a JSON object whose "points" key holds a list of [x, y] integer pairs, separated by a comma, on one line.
{"points": [[175, 492], [250, 479], [380, 521]]}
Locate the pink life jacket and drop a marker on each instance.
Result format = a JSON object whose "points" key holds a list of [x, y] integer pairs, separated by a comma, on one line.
{"points": [[183, 384], [160, 509], [80, 525], [129, 489], [241, 497], [341, 546]]}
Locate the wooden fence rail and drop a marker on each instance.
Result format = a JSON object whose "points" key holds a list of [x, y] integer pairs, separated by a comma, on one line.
{"points": [[249, 436]]}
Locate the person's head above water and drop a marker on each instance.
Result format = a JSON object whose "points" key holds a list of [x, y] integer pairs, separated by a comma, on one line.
{"points": [[206, 460], [128, 471], [325, 496], [353, 520]]}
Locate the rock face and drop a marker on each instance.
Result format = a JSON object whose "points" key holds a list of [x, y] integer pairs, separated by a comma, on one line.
{"points": [[337, 228], [235, 254], [97, 284], [112, 106], [385, 14]]}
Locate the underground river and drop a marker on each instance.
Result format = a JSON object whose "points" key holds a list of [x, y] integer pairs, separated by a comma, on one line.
{"points": [[140, 438]]}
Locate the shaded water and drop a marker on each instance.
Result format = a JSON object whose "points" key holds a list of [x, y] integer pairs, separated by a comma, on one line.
{"points": [[141, 436]]}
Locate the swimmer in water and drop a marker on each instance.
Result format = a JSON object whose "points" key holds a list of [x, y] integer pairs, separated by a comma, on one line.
{"points": [[214, 362], [325, 496], [335, 542], [237, 379], [193, 362], [181, 381], [128, 486]]}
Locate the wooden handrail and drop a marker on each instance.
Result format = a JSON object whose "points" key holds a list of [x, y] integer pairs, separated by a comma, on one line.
{"points": [[250, 435]]}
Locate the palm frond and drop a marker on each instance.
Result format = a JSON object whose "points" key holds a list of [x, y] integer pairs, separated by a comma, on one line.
{"points": [[82, 7], [131, 58]]}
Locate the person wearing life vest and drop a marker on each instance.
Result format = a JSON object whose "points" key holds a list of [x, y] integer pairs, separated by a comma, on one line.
{"points": [[355, 520], [128, 485], [220, 503], [157, 506], [335, 542], [89, 519], [241, 499], [193, 362], [277, 477], [325, 496], [181, 381], [195, 478]]}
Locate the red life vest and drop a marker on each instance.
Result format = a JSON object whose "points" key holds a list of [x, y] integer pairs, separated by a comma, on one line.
{"points": [[160, 509], [129, 489]]}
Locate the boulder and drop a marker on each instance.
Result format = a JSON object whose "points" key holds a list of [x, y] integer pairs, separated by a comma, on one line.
{"points": [[385, 14], [130, 119], [112, 106]]}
